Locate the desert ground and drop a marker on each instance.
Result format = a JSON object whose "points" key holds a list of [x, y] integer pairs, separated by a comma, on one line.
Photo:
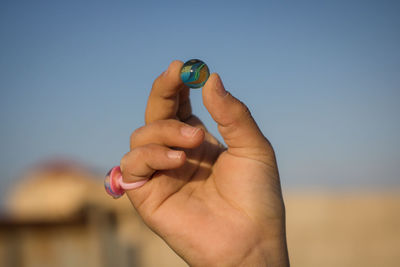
{"points": [[343, 228]]}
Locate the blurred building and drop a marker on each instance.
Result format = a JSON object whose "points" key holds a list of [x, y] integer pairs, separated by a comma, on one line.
{"points": [[60, 215]]}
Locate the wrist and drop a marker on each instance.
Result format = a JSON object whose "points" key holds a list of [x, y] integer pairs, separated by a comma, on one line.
{"points": [[276, 253], [273, 255], [271, 251]]}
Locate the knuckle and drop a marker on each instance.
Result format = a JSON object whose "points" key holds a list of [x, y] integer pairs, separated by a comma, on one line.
{"points": [[145, 151], [124, 162], [240, 111], [135, 135], [163, 126], [137, 154], [140, 152], [243, 112], [155, 132], [243, 108], [169, 123]]}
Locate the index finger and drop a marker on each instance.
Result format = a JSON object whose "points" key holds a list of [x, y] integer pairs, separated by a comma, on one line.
{"points": [[168, 95]]}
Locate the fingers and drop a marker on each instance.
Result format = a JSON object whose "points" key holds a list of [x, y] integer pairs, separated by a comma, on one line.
{"points": [[142, 162], [151, 156], [169, 97], [235, 123], [171, 133]]}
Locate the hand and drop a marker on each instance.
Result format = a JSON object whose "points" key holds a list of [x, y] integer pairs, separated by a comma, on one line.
{"points": [[214, 206]]}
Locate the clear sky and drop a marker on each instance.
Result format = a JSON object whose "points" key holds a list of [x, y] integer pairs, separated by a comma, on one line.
{"points": [[322, 79]]}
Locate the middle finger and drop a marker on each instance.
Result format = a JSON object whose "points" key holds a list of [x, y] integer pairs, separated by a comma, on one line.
{"points": [[171, 133]]}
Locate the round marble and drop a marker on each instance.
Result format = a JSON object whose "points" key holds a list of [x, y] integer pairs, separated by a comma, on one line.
{"points": [[194, 73]]}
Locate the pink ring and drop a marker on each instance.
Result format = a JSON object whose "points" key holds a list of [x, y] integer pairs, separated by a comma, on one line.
{"points": [[130, 186], [115, 186]]}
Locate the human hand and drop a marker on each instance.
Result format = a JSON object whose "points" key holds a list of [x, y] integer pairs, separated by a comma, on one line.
{"points": [[214, 206]]}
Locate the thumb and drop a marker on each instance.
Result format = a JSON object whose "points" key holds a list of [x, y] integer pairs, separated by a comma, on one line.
{"points": [[235, 123]]}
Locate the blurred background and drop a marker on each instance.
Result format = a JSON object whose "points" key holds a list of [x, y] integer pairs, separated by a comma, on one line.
{"points": [[322, 79]]}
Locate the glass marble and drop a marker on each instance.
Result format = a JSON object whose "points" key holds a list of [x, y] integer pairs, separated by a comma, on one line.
{"points": [[194, 73]]}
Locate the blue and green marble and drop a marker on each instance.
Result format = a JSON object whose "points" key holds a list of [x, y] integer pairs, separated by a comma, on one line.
{"points": [[195, 73]]}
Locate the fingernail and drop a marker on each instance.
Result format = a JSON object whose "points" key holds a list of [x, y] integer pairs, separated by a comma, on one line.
{"points": [[172, 154], [188, 131], [219, 87]]}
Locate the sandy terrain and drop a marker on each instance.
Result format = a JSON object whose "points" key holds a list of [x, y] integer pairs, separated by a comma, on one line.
{"points": [[344, 229]]}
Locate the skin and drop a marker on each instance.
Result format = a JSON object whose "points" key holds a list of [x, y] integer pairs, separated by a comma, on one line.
{"points": [[213, 205]]}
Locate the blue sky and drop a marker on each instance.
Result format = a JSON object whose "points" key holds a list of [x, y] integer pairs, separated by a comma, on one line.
{"points": [[322, 79]]}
